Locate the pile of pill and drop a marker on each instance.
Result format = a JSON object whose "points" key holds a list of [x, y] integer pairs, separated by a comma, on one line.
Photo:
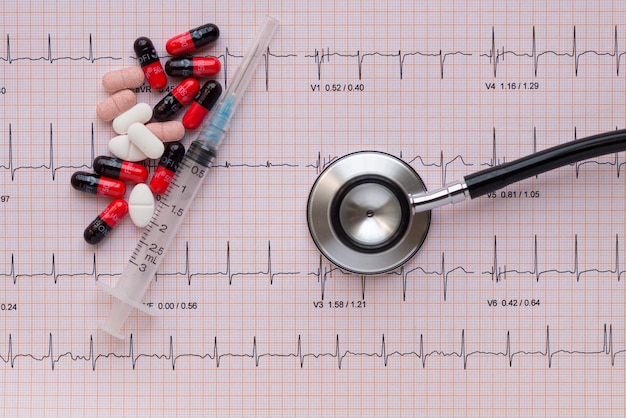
{"points": [[139, 140]]}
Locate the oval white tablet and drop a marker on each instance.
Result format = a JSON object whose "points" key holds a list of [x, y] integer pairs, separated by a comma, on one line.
{"points": [[121, 147], [141, 112], [145, 140], [141, 205]]}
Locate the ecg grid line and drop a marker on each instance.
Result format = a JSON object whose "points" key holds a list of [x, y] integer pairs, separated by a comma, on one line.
{"points": [[514, 306]]}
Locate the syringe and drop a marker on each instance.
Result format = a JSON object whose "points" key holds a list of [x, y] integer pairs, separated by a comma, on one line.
{"points": [[169, 213]]}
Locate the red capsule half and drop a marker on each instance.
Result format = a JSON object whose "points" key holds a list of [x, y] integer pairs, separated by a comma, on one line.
{"points": [[106, 221], [97, 184], [202, 104], [120, 169], [195, 38], [176, 99], [150, 63]]}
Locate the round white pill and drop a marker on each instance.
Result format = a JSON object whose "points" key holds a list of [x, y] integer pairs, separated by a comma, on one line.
{"points": [[141, 112], [145, 140], [121, 147], [141, 205]]}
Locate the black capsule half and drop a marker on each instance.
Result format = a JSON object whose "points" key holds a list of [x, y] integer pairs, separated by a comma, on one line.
{"points": [[172, 156], [145, 50], [209, 94]]}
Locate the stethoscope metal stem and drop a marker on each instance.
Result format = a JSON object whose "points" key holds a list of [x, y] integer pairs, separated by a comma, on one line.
{"points": [[454, 192]]}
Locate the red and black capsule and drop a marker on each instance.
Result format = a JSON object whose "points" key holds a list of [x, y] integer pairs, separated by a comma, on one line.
{"points": [[202, 104], [106, 221], [168, 164], [176, 99], [97, 184], [189, 66], [150, 63], [193, 39], [119, 169]]}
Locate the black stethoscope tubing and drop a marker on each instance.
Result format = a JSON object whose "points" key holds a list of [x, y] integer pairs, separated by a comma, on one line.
{"points": [[500, 176]]}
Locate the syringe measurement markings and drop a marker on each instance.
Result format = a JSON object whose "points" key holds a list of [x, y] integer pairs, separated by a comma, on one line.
{"points": [[141, 242]]}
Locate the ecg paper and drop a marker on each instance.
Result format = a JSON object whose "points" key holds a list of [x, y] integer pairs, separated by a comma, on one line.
{"points": [[513, 307]]}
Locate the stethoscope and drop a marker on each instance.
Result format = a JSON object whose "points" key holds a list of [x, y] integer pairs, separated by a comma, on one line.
{"points": [[369, 212]]}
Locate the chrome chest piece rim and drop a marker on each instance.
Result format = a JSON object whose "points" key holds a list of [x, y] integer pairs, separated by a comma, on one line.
{"points": [[359, 213]]}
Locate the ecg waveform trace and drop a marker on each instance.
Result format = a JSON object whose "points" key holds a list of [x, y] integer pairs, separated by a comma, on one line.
{"points": [[50, 164], [318, 164], [90, 56], [497, 272], [495, 56], [339, 355]]}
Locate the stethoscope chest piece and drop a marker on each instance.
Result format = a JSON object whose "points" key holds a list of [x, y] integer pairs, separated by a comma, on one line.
{"points": [[359, 213]]}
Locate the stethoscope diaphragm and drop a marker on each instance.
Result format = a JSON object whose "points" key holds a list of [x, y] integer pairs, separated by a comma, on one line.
{"points": [[359, 213]]}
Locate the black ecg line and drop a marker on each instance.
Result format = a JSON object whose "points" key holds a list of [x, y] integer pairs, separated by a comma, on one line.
{"points": [[495, 56], [340, 354], [411, 273], [442, 163]]}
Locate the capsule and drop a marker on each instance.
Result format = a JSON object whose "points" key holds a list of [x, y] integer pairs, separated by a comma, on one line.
{"points": [[119, 169], [193, 67], [176, 99], [202, 104], [195, 38], [97, 184], [168, 164], [149, 62], [106, 221]]}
